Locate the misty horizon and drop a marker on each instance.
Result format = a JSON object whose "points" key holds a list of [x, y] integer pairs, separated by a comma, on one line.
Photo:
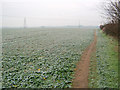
{"points": [[36, 13]]}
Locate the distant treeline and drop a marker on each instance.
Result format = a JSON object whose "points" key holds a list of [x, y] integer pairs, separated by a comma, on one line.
{"points": [[112, 12]]}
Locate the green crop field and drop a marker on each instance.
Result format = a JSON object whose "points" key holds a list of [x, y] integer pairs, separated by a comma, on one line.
{"points": [[105, 74], [42, 58]]}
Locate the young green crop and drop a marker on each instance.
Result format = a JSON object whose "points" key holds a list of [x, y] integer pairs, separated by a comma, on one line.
{"points": [[106, 73], [42, 58]]}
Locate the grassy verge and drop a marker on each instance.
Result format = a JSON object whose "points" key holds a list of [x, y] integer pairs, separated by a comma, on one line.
{"points": [[104, 68]]}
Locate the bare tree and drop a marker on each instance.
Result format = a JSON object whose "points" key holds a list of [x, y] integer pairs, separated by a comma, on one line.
{"points": [[112, 15], [112, 11]]}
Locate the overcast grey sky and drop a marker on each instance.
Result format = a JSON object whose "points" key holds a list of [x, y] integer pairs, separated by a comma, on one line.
{"points": [[50, 12]]}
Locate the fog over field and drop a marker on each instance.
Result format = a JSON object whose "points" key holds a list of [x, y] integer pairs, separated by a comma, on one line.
{"points": [[50, 13], [59, 44]]}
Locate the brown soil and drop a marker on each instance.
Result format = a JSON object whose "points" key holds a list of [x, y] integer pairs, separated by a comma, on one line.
{"points": [[82, 69]]}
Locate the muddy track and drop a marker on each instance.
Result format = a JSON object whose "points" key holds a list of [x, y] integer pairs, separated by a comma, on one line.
{"points": [[82, 68]]}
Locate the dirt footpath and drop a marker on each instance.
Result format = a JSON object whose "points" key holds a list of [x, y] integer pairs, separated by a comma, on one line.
{"points": [[82, 69]]}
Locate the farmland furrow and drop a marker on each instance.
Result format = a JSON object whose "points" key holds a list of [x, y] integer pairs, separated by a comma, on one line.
{"points": [[82, 69]]}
